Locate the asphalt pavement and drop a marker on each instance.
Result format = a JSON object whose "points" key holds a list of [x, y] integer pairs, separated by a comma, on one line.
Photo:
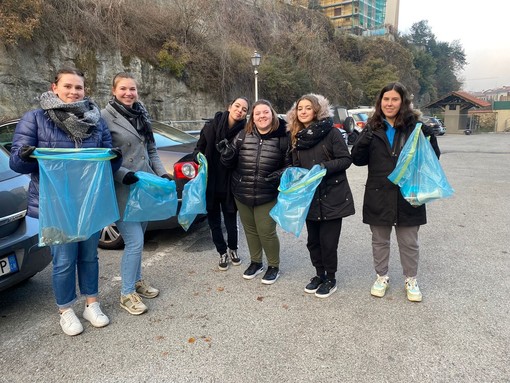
{"points": [[213, 326]]}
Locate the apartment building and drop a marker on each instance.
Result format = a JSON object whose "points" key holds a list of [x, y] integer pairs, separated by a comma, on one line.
{"points": [[362, 17], [496, 94]]}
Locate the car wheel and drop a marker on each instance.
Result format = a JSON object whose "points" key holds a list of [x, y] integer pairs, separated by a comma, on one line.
{"points": [[353, 137], [110, 238]]}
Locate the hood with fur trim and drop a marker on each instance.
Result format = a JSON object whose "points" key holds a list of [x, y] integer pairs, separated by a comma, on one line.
{"points": [[325, 111]]}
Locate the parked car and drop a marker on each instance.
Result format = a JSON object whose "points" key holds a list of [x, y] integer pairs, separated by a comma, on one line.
{"points": [[20, 256], [360, 119], [175, 148], [435, 124], [343, 121]]}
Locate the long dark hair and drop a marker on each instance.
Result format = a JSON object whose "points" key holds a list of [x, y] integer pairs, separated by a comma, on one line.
{"points": [[275, 123], [406, 115]]}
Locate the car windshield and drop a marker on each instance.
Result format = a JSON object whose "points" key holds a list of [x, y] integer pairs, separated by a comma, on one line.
{"points": [[360, 117], [6, 132], [5, 170], [166, 135]]}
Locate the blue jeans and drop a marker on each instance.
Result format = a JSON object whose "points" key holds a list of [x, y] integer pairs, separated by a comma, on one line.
{"points": [[70, 258], [131, 264]]}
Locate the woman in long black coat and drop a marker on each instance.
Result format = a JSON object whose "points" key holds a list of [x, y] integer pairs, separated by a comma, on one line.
{"points": [[224, 125], [315, 141], [384, 207]]}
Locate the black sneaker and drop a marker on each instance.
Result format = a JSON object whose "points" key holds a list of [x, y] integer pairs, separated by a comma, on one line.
{"points": [[271, 275], [253, 270], [236, 261], [223, 265], [326, 289], [314, 285]]}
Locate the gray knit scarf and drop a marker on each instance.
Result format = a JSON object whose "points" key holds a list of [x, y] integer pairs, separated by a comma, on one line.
{"points": [[77, 119]]}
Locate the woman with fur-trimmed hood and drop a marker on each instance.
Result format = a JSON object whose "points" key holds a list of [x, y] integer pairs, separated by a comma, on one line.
{"points": [[314, 140]]}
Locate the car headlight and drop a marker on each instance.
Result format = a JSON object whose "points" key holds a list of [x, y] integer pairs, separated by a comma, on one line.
{"points": [[185, 170]]}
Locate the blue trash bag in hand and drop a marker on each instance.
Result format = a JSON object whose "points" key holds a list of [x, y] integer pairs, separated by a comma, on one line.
{"points": [[297, 187], [419, 173], [76, 194], [152, 198], [193, 195]]}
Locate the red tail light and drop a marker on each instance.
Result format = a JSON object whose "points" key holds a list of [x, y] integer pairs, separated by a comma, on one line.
{"points": [[185, 170]]}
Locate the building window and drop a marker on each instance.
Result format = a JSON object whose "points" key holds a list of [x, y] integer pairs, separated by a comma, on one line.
{"points": [[338, 12]]}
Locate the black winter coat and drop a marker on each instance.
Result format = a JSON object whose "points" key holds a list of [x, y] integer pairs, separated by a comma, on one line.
{"points": [[258, 162], [333, 197], [219, 177], [383, 203]]}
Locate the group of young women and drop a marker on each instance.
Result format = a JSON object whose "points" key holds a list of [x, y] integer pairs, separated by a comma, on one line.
{"points": [[249, 162], [68, 119], [246, 160]]}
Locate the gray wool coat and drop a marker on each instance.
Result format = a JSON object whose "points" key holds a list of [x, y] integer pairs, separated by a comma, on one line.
{"points": [[137, 153]]}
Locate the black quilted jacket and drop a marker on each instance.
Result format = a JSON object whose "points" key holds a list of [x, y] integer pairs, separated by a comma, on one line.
{"points": [[258, 162]]}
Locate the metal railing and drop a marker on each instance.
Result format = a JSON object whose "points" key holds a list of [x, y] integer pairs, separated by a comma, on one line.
{"points": [[188, 125]]}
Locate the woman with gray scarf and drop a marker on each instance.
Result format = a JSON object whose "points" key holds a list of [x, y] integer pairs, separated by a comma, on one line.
{"points": [[67, 120]]}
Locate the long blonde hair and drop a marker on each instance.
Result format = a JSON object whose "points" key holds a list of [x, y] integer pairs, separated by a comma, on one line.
{"points": [[294, 125]]}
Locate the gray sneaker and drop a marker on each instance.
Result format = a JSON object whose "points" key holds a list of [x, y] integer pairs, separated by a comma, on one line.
{"points": [[133, 304], [223, 264], [145, 290], [236, 261]]}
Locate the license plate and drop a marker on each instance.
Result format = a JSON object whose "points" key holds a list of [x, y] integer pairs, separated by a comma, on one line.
{"points": [[8, 265]]}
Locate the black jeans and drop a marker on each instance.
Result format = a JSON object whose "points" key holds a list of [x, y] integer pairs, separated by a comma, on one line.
{"points": [[323, 237], [230, 220]]}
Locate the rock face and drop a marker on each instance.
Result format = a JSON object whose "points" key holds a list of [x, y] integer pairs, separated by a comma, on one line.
{"points": [[28, 69]]}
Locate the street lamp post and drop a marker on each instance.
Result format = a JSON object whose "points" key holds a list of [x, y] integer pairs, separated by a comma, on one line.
{"points": [[255, 62]]}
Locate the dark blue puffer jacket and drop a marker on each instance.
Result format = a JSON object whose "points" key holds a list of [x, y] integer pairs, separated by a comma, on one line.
{"points": [[37, 129]]}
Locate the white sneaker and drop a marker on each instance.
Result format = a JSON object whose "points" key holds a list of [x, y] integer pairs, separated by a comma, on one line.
{"points": [[412, 289], [380, 286], [94, 315], [70, 323]]}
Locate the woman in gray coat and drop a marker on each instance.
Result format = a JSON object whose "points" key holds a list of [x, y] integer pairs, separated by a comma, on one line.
{"points": [[130, 127]]}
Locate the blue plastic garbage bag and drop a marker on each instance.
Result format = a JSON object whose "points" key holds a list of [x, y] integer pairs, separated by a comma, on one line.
{"points": [[297, 187], [76, 194], [152, 198], [419, 173], [193, 195]]}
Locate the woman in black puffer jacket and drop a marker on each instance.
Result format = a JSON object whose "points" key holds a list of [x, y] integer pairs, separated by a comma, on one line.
{"points": [[259, 155], [315, 141]]}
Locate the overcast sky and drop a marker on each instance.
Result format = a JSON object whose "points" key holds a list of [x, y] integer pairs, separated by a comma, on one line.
{"points": [[482, 29]]}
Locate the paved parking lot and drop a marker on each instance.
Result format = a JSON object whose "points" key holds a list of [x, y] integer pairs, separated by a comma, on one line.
{"points": [[214, 326]]}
